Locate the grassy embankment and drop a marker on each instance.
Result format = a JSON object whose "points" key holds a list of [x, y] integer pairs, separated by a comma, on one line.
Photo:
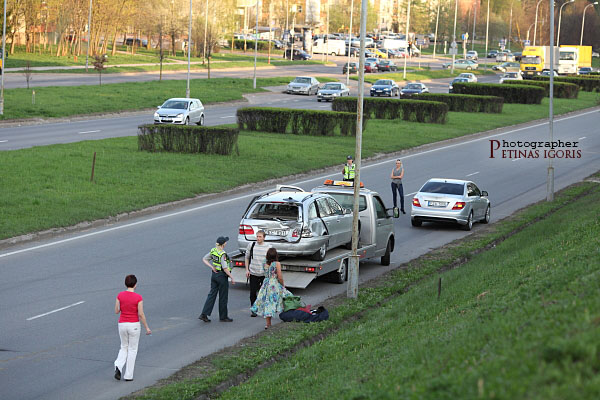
{"points": [[64, 101], [49, 186], [518, 320]]}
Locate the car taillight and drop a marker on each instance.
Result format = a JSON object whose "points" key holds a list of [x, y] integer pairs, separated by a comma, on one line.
{"points": [[459, 205], [306, 232], [246, 230], [416, 202]]}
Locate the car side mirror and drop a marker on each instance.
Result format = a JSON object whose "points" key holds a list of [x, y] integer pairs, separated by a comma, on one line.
{"points": [[395, 212], [484, 193], [157, 107], [347, 211]]}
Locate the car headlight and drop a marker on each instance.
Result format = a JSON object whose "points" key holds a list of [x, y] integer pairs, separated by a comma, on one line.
{"points": [[319, 94], [335, 94], [386, 89], [179, 116], [156, 115]]}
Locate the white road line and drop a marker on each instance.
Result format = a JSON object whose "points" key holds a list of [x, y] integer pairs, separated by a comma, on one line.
{"points": [[323, 106], [583, 137], [57, 310], [3, 141], [474, 173], [81, 133], [228, 116], [219, 202], [410, 194]]}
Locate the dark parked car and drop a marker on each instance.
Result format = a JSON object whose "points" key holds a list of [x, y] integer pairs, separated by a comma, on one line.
{"points": [[353, 68], [371, 66], [585, 70], [413, 88], [385, 87], [518, 55], [299, 54], [354, 51], [456, 80], [387, 65], [138, 42], [492, 54]]}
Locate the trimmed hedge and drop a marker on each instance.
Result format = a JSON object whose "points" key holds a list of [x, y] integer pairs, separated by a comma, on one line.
{"points": [[408, 110], [187, 139], [587, 84], [295, 121], [562, 90], [523, 94], [465, 102], [262, 44]]}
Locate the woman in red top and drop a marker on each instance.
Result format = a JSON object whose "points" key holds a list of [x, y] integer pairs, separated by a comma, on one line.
{"points": [[131, 307]]}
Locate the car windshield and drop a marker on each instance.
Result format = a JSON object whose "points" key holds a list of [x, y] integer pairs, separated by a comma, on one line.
{"points": [[530, 60], [175, 104], [460, 80], [274, 211], [333, 86], [567, 56], [383, 82], [443, 187], [466, 76], [346, 200], [302, 80], [413, 86], [511, 75]]}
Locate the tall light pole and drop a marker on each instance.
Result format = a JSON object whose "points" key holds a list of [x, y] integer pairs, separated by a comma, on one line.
{"points": [[437, 20], [559, 19], [327, 34], [349, 42], [255, 48], [535, 23], [352, 288], [487, 27], [528, 29], [510, 25], [3, 62], [474, 24], [189, 51], [87, 51], [454, 36], [583, 21], [550, 177], [407, 42], [205, 31]]}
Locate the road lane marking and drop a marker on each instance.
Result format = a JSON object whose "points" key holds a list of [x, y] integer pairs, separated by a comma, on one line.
{"points": [[57, 310], [516, 159], [583, 137], [228, 116], [220, 202], [474, 173], [3, 141], [84, 132], [410, 194], [324, 106]]}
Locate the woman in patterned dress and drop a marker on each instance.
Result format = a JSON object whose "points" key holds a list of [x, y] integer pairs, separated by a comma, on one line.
{"points": [[269, 300]]}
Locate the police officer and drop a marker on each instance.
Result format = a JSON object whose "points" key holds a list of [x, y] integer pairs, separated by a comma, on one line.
{"points": [[349, 169], [218, 261]]}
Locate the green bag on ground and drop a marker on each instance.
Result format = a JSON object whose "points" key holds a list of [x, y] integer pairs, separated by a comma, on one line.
{"points": [[292, 303]]}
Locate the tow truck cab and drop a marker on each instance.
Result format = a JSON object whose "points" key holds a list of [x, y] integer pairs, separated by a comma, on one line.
{"points": [[377, 239]]}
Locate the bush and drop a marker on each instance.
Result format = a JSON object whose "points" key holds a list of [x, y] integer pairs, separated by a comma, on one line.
{"points": [[408, 110], [239, 44], [523, 94], [299, 122], [465, 102], [587, 84], [187, 139], [562, 90]]}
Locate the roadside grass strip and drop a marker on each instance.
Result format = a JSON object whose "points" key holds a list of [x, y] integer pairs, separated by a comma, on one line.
{"points": [[66, 101], [517, 318], [48, 186]]}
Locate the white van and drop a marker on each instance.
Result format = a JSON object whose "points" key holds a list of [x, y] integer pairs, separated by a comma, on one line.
{"points": [[331, 46]]}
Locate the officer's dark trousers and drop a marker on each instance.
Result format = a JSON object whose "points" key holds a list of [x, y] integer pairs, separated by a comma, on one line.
{"points": [[255, 284], [220, 285], [400, 189]]}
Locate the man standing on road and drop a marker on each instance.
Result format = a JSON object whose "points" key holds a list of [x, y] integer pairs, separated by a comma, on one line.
{"points": [[349, 169], [218, 261], [256, 254]]}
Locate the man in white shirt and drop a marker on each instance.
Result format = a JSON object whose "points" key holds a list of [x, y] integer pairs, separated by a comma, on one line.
{"points": [[256, 254]]}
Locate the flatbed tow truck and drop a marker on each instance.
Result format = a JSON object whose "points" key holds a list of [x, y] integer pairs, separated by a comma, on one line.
{"points": [[376, 240]]}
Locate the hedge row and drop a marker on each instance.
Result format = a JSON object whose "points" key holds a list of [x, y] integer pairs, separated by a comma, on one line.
{"points": [[465, 102], [523, 94], [408, 110], [187, 139], [587, 84], [562, 90], [299, 122], [262, 44]]}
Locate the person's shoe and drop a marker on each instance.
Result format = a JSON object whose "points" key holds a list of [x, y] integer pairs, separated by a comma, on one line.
{"points": [[226, 319], [403, 212], [253, 314], [117, 374], [128, 380], [204, 318]]}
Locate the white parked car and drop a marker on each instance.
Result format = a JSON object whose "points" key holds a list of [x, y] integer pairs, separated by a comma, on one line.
{"points": [[511, 76], [303, 85], [472, 55], [471, 78], [182, 111]]}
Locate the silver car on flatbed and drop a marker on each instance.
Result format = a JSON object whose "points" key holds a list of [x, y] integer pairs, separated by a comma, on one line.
{"points": [[450, 200], [297, 223]]}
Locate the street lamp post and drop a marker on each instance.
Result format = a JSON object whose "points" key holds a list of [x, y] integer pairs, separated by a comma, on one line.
{"points": [[510, 25], [528, 29], [559, 20], [3, 62], [349, 42], [454, 36], [583, 21], [437, 19], [205, 31], [87, 51], [255, 48], [535, 23], [550, 177], [408, 50], [474, 25], [189, 48], [487, 27]]}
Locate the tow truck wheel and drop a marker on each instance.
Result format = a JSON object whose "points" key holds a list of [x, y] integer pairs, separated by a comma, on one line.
{"points": [[340, 276], [385, 259], [320, 254]]}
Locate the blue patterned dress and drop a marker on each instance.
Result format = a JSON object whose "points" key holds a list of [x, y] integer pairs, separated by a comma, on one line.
{"points": [[269, 301]]}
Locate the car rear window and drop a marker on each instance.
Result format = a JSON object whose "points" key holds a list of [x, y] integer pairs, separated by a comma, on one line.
{"points": [[274, 211], [347, 201], [443, 187]]}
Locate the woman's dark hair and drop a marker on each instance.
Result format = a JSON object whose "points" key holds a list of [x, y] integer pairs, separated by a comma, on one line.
{"points": [[130, 281], [272, 255]]}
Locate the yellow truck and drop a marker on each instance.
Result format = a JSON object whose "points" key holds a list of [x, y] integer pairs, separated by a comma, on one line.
{"points": [[582, 55]]}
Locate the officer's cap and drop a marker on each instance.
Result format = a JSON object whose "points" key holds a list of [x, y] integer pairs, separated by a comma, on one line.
{"points": [[222, 240]]}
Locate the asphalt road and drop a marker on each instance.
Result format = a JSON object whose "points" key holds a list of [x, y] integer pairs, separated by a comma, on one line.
{"points": [[59, 336]]}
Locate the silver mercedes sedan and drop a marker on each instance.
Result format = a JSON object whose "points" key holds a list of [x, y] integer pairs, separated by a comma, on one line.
{"points": [[450, 200]]}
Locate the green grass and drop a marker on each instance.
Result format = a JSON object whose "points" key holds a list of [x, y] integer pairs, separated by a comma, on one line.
{"points": [[519, 321], [63, 101], [204, 375], [45, 187]]}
